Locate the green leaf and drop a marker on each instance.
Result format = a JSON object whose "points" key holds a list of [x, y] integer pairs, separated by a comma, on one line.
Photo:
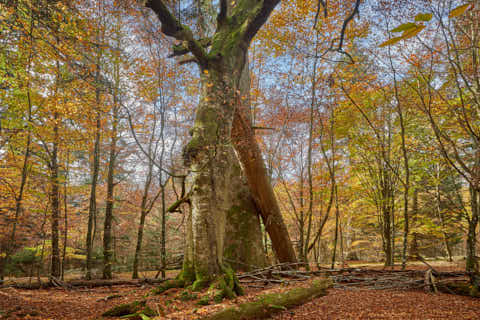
{"points": [[405, 27], [423, 17], [413, 32], [407, 34], [390, 42], [458, 11]]}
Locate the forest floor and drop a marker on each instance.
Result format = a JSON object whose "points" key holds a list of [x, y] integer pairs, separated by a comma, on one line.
{"points": [[82, 303]]}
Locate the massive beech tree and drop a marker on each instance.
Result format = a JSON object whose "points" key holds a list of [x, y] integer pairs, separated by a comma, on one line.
{"points": [[221, 120]]}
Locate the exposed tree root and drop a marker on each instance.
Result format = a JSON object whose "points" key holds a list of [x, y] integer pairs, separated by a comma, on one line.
{"points": [[173, 283], [225, 286], [268, 304]]}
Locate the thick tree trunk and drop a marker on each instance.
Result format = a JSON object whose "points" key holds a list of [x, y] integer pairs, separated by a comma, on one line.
{"points": [[244, 243], [243, 249], [209, 154]]}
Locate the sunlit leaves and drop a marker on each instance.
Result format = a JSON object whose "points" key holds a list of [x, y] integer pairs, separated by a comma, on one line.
{"points": [[423, 17], [409, 30], [458, 11], [405, 27]]}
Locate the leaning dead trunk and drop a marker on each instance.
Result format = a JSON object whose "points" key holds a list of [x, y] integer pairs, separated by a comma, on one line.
{"points": [[254, 169], [260, 187]]}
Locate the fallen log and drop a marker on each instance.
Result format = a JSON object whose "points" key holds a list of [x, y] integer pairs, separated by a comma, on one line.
{"points": [[133, 310], [268, 304], [463, 288], [83, 283]]}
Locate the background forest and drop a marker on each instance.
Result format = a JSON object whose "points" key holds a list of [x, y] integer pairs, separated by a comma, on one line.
{"points": [[367, 118]]}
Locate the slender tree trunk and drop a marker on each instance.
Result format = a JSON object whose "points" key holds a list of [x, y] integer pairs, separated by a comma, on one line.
{"points": [[108, 249], [55, 203], [65, 218], [95, 165], [472, 264], [313, 105], [143, 212], [107, 229], [394, 229], [164, 234], [441, 216], [24, 175], [406, 189], [19, 196], [301, 220], [337, 213], [406, 167], [92, 209], [387, 220], [414, 252], [138, 248]]}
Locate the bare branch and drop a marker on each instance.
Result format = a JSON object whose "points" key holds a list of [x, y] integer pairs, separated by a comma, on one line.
{"points": [[345, 24], [321, 4], [259, 19], [222, 15], [171, 27], [182, 49]]}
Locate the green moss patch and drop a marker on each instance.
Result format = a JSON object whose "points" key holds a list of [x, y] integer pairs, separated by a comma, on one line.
{"points": [[136, 310], [269, 304], [176, 283]]}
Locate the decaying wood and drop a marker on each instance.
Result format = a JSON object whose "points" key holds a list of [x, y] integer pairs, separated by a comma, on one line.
{"points": [[356, 278], [266, 305], [83, 283]]}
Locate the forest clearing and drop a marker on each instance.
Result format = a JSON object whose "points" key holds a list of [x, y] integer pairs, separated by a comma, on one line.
{"points": [[239, 159], [341, 302]]}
